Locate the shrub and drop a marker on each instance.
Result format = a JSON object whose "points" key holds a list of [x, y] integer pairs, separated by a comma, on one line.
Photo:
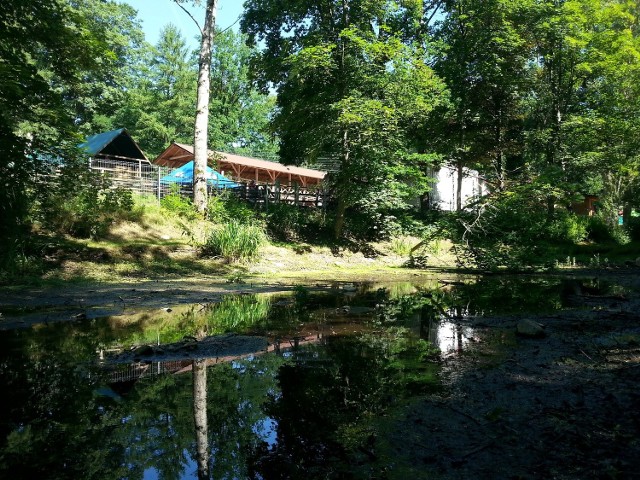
{"points": [[401, 246], [633, 228], [83, 204], [235, 241], [568, 227], [286, 222], [513, 229], [225, 206], [178, 204]]}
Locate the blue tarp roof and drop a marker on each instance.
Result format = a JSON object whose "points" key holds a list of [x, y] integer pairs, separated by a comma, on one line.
{"points": [[96, 143], [184, 174]]}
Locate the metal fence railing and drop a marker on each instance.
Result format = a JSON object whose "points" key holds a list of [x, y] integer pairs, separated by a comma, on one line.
{"points": [[148, 179]]}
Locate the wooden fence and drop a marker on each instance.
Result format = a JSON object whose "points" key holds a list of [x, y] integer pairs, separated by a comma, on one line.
{"points": [[147, 179]]}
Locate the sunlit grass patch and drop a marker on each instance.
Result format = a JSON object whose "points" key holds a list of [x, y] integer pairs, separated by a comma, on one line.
{"points": [[235, 241]]}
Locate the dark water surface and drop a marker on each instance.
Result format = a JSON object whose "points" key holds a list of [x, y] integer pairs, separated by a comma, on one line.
{"points": [[339, 361]]}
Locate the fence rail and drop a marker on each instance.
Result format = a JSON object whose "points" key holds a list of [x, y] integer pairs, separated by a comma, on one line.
{"points": [[147, 179]]}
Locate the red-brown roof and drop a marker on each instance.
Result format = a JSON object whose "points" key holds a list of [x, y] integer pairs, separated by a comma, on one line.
{"points": [[240, 167]]}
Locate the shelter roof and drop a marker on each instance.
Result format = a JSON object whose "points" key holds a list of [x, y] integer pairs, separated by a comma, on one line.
{"points": [[116, 143], [178, 154]]}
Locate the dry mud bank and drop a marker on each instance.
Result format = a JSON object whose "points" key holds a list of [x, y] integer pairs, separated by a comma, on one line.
{"points": [[565, 405]]}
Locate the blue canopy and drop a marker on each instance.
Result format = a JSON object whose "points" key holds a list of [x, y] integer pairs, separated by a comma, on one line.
{"points": [[184, 175]]}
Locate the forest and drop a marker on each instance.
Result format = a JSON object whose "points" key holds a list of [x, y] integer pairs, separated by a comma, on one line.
{"points": [[369, 333], [541, 97]]}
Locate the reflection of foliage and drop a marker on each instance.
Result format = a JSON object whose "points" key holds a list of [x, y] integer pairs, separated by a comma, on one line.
{"points": [[53, 425], [497, 295], [238, 314], [329, 396]]}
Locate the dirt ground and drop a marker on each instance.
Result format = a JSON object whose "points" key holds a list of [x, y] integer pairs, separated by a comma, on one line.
{"points": [[565, 405], [562, 406]]}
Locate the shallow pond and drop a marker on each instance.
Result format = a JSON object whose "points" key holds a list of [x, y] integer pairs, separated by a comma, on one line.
{"points": [[138, 397]]}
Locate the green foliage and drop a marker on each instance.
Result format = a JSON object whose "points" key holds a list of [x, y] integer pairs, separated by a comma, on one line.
{"points": [[514, 229], [598, 230], [235, 241], [285, 222], [178, 204], [401, 246], [82, 204], [159, 102], [47, 50], [346, 92], [290, 223], [226, 207], [239, 114], [633, 228]]}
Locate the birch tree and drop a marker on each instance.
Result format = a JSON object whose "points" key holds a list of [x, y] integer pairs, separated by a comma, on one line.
{"points": [[201, 124]]}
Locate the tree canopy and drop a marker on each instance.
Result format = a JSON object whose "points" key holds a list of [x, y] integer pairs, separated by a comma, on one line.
{"points": [[539, 96]]}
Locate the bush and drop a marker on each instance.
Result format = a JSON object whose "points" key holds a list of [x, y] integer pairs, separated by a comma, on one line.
{"points": [[633, 229], [568, 227], [235, 241], [598, 230], [178, 204], [513, 229], [225, 207], [285, 222], [83, 204]]}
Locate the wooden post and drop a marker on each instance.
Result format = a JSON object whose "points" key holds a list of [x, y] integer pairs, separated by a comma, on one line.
{"points": [[266, 198], [276, 187], [159, 185], [296, 193]]}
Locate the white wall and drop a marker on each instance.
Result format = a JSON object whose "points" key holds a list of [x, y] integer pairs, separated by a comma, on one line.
{"points": [[443, 193]]}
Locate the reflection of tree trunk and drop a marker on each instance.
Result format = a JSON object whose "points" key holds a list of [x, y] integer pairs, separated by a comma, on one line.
{"points": [[458, 329], [200, 416]]}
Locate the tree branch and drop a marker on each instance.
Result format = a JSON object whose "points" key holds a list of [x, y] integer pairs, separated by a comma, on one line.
{"points": [[224, 30], [191, 16]]}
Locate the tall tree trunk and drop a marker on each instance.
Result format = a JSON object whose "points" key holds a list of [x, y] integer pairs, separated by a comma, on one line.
{"points": [[341, 189], [499, 159], [199, 368], [201, 129], [459, 175]]}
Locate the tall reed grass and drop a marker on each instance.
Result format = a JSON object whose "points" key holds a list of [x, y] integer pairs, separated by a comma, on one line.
{"points": [[235, 241]]}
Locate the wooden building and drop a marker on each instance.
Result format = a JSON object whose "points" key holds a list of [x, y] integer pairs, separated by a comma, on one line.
{"points": [[586, 207], [116, 147], [243, 169]]}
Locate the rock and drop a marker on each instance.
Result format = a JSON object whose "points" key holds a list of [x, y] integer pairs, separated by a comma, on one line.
{"points": [[638, 262], [530, 328]]}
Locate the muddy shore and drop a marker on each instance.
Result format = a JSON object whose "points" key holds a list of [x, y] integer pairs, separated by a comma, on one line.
{"points": [[565, 405]]}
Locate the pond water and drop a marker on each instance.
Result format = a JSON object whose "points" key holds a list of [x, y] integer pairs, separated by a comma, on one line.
{"points": [[338, 360]]}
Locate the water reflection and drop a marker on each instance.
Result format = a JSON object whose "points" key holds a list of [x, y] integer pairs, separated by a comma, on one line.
{"points": [[305, 407]]}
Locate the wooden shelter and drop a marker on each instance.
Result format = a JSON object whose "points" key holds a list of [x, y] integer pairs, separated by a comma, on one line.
{"points": [[243, 169], [586, 207], [115, 145]]}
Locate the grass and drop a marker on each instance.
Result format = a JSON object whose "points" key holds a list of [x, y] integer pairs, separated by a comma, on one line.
{"points": [[235, 241], [153, 243]]}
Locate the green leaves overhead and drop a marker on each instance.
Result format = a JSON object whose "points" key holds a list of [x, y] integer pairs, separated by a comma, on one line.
{"points": [[350, 90]]}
